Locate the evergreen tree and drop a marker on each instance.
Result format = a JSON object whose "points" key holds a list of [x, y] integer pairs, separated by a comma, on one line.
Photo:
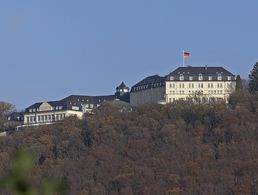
{"points": [[239, 84], [253, 76]]}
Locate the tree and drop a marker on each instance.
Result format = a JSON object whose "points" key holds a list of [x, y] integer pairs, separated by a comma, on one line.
{"points": [[5, 110], [239, 84], [18, 183], [253, 76]]}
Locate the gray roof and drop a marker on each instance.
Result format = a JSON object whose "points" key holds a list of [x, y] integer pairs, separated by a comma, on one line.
{"points": [[149, 82], [122, 86], [74, 100], [205, 71], [81, 99]]}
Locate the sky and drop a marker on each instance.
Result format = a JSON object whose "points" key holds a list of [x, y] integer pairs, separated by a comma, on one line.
{"points": [[50, 49]]}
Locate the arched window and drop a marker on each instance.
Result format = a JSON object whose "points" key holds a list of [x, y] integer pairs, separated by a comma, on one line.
{"points": [[200, 78], [219, 77], [181, 77]]}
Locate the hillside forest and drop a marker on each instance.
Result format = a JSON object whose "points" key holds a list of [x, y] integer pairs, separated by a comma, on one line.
{"points": [[175, 149]]}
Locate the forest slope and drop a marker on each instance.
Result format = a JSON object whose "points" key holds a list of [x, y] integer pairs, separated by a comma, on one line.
{"points": [[180, 148]]}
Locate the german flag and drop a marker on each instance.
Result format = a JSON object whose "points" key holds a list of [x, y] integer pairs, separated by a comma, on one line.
{"points": [[186, 55]]}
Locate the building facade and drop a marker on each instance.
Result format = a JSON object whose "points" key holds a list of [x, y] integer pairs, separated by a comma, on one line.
{"points": [[150, 90], [203, 84], [74, 105]]}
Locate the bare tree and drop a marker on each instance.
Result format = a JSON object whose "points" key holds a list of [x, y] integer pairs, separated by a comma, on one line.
{"points": [[5, 110]]}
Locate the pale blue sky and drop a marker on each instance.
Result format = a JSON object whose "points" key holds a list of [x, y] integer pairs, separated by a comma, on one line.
{"points": [[50, 49]]}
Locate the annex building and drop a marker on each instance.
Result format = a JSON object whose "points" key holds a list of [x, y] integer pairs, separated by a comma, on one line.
{"points": [[74, 105], [204, 84]]}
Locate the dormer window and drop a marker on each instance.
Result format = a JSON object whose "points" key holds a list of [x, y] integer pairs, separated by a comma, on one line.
{"points": [[181, 77], [210, 78], [171, 78], [190, 78], [200, 77], [229, 78], [219, 77]]}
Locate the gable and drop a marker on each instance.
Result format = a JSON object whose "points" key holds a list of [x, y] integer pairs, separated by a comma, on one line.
{"points": [[45, 107]]}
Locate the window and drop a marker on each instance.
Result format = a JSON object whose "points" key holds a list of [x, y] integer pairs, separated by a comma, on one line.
{"points": [[200, 78], [171, 78], [190, 78], [210, 78], [181, 77], [219, 77], [229, 78]]}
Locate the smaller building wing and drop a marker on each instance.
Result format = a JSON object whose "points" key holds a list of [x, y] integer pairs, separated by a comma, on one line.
{"points": [[149, 82]]}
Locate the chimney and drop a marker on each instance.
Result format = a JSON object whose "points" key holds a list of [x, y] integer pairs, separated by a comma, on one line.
{"points": [[206, 67]]}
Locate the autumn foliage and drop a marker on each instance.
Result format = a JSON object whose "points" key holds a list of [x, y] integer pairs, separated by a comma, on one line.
{"points": [[180, 148]]}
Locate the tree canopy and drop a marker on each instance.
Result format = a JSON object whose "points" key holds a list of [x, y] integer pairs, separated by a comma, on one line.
{"points": [[239, 84], [180, 148], [253, 79], [5, 110]]}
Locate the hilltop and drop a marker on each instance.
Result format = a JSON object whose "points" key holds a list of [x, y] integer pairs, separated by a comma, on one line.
{"points": [[182, 148]]}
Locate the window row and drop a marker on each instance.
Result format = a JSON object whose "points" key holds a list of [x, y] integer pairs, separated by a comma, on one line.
{"points": [[200, 77], [52, 108], [142, 87], [45, 118], [200, 99], [199, 85], [171, 92]]}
